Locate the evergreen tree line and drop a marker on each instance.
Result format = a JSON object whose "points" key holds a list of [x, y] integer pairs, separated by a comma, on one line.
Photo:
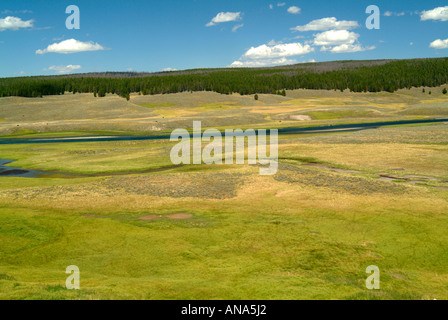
{"points": [[388, 77]]}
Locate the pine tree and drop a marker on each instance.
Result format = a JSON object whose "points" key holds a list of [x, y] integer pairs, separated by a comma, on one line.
{"points": [[101, 92]]}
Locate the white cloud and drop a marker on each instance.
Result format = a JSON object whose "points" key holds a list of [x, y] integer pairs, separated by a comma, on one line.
{"points": [[294, 10], [281, 4], [71, 46], [63, 69], [346, 48], [272, 54], [224, 17], [14, 23], [267, 63], [330, 23], [439, 44], [271, 6], [339, 41], [168, 70], [262, 63], [277, 51], [335, 37], [440, 13], [235, 28]]}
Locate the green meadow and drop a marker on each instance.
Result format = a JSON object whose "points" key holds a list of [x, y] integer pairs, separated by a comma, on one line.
{"points": [[140, 228]]}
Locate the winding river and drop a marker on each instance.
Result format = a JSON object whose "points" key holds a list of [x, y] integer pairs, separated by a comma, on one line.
{"points": [[291, 130]]}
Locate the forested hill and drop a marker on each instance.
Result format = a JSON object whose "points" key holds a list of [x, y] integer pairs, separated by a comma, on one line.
{"points": [[311, 66], [358, 76]]}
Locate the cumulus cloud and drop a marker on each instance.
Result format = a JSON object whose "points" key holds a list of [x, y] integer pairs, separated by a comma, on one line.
{"points": [[71, 46], [339, 41], [235, 28], [347, 48], [294, 10], [63, 69], [267, 63], [14, 23], [272, 54], [277, 51], [440, 13], [335, 37], [262, 63], [224, 17], [439, 44], [330, 23]]}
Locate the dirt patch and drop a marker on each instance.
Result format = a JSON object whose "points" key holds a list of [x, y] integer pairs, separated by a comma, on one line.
{"points": [[179, 216], [149, 218], [300, 118]]}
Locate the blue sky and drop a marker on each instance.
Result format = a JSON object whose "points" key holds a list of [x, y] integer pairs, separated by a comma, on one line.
{"points": [[182, 34]]}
